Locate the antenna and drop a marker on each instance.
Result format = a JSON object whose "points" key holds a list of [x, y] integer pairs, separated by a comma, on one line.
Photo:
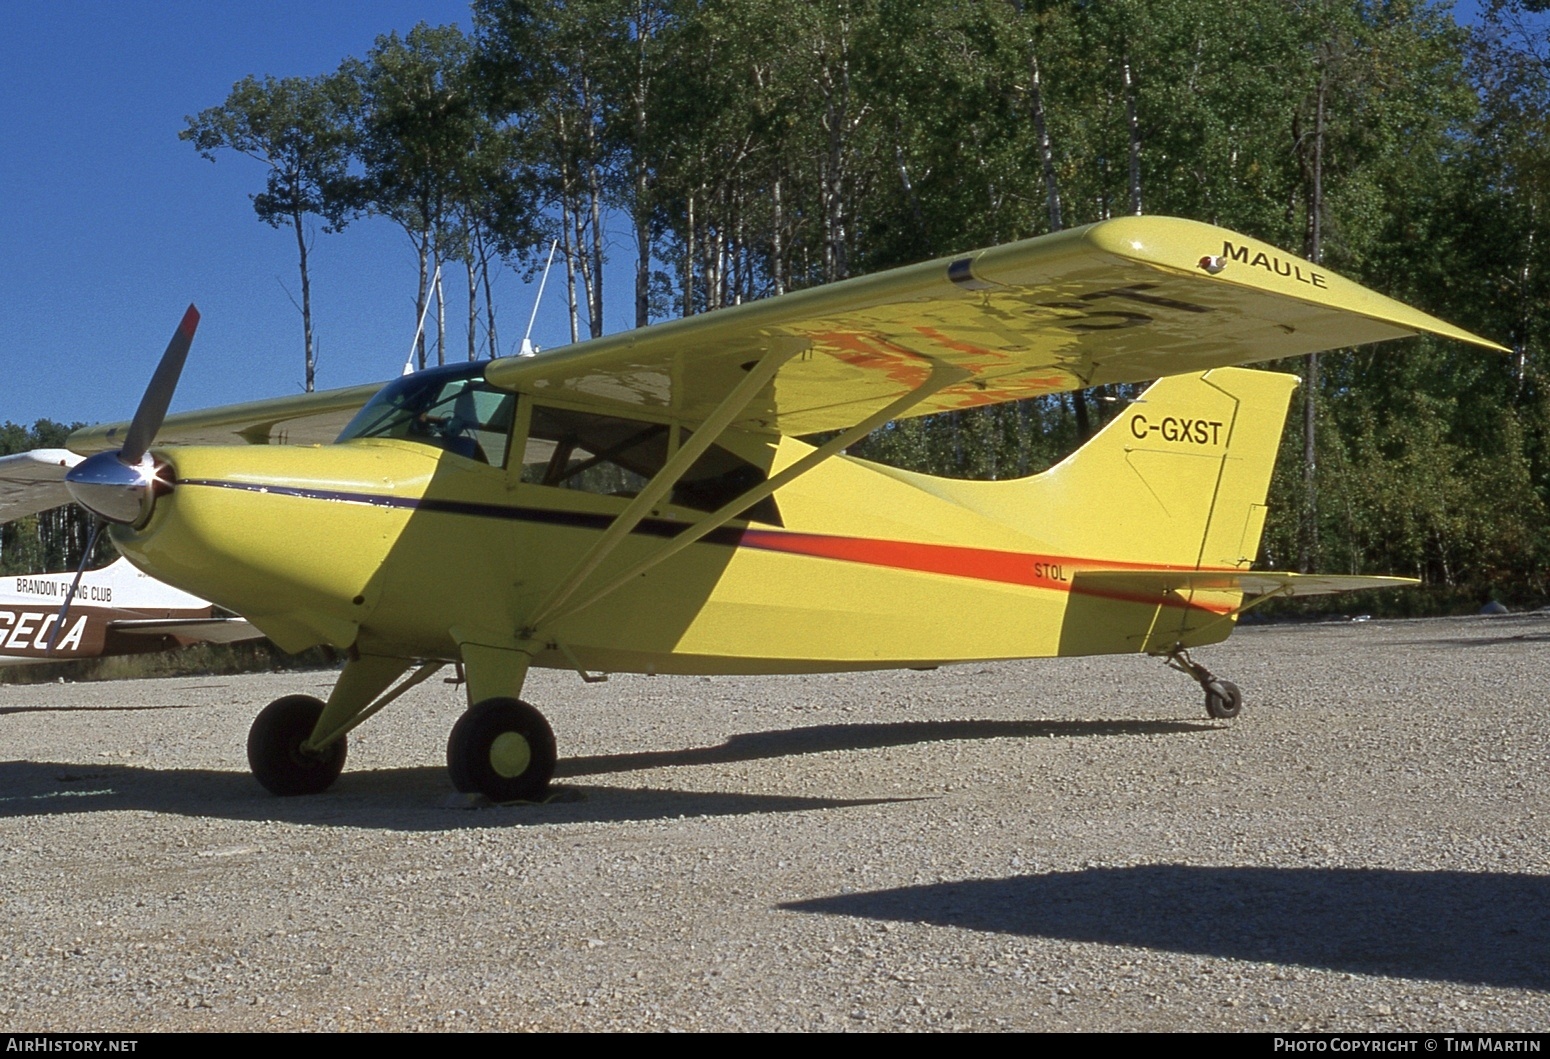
{"points": [[420, 327], [526, 349]]}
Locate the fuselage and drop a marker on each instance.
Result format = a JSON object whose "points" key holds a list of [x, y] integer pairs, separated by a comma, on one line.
{"points": [[30, 606], [405, 545]]}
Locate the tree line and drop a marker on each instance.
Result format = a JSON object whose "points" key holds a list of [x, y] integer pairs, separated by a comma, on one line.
{"points": [[752, 147]]}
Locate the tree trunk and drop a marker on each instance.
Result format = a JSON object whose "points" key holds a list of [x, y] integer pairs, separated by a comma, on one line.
{"points": [[306, 302], [1308, 553], [422, 296], [777, 242], [594, 286], [489, 299], [1135, 140], [473, 303], [1046, 154], [1079, 409], [835, 83], [688, 278], [570, 265], [642, 204]]}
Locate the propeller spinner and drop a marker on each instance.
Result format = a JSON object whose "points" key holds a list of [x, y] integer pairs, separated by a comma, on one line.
{"points": [[121, 486]]}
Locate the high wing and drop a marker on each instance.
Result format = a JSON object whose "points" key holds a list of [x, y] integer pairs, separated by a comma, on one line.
{"points": [[1125, 300], [34, 481], [303, 419]]}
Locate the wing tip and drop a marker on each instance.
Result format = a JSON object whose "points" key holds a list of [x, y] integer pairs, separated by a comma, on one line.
{"points": [[1207, 251]]}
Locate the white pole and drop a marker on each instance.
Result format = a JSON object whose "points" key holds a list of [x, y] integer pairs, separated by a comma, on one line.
{"points": [[420, 328], [526, 349]]}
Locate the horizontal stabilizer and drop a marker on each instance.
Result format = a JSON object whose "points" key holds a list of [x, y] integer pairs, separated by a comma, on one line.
{"points": [[206, 630], [34, 481], [1248, 582]]}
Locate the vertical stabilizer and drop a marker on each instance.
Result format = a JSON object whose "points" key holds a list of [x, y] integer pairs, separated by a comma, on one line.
{"points": [[1177, 479]]}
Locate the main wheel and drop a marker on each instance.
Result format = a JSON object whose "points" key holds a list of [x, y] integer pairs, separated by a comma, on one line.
{"points": [[275, 754], [1224, 700], [502, 749]]}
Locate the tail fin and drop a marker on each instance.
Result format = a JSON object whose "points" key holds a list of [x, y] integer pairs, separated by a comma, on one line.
{"points": [[1177, 479], [1175, 482]]}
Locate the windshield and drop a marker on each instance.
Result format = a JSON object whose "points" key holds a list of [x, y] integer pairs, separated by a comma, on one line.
{"points": [[450, 408]]}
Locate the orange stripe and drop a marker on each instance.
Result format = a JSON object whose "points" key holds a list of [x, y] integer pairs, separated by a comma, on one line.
{"points": [[1053, 572]]}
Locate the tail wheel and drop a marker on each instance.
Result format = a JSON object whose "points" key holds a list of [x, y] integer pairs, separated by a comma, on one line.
{"points": [[1224, 700], [275, 751], [502, 749]]}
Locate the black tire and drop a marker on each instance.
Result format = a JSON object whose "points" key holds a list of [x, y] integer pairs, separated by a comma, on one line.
{"points": [[275, 754], [1224, 700], [502, 749]]}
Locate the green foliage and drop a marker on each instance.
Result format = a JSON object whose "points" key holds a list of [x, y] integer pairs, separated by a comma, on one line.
{"points": [[759, 146], [296, 127]]}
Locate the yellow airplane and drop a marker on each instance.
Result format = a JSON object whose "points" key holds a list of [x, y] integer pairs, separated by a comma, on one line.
{"points": [[644, 502]]}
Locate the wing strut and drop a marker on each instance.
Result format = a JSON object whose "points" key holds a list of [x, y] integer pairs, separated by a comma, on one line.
{"points": [[942, 376], [663, 481]]}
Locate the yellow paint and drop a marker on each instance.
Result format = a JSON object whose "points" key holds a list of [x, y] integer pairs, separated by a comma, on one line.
{"points": [[510, 754], [349, 547], [1142, 541]]}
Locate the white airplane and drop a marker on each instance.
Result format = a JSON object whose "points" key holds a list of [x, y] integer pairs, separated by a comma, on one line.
{"points": [[116, 610]]}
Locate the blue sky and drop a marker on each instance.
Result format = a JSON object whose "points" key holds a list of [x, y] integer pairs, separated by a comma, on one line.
{"points": [[110, 225]]}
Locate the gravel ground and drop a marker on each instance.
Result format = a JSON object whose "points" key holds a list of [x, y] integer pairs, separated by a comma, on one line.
{"points": [[1028, 846]]}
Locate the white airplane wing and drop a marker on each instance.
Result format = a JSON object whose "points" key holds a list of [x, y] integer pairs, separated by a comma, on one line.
{"points": [[207, 630], [34, 481]]}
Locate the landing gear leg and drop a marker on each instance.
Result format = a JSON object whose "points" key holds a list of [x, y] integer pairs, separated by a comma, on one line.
{"points": [[297, 744], [1224, 699]]}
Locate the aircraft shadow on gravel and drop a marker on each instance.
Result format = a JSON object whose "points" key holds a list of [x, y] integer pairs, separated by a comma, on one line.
{"points": [[6, 711], [417, 798], [1479, 928], [822, 738], [1478, 641], [401, 799]]}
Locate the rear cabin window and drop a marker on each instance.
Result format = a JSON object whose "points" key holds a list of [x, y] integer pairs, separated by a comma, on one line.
{"points": [[616, 457]]}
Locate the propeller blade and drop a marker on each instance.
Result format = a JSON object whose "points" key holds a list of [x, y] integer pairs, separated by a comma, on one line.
{"points": [[64, 608], [158, 395]]}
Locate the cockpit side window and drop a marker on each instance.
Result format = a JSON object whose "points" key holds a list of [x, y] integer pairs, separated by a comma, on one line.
{"points": [[454, 411], [592, 453], [617, 457]]}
